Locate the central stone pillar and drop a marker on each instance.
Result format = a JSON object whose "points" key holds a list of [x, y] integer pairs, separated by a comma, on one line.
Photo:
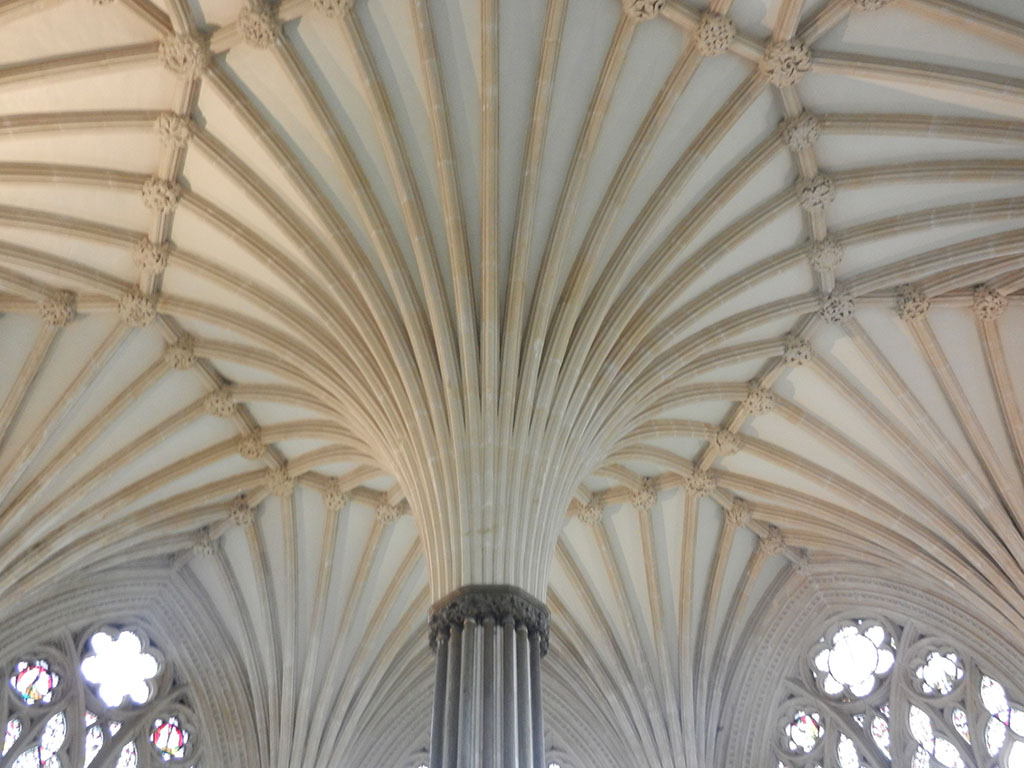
{"points": [[488, 642]]}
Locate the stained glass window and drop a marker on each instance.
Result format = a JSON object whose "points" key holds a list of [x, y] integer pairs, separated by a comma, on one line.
{"points": [[44, 755], [119, 668], [106, 689], [867, 679], [93, 737], [940, 673], [34, 681], [169, 738], [11, 736], [129, 757], [855, 657], [804, 731]]}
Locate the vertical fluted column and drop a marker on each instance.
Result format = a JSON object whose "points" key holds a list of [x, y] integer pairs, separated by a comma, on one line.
{"points": [[488, 641]]}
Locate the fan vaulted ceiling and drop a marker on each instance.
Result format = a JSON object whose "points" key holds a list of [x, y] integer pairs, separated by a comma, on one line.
{"points": [[318, 305]]}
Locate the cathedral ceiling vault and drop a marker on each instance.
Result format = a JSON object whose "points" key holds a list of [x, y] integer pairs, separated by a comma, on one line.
{"points": [[325, 308]]}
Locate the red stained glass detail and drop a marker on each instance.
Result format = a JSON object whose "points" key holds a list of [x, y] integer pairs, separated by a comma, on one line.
{"points": [[169, 738], [34, 681]]}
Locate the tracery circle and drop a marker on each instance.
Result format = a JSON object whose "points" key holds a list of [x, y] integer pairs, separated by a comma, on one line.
{"points": [[34, 681], [804, 732]]}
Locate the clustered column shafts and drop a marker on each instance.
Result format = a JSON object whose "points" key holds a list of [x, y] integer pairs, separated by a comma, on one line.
{"points": [[488, 640]]}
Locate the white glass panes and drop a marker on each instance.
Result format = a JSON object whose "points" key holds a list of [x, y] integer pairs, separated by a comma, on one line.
{"points": [[1016, 757], [959, 718], [11, 735], [853, 659], [54, 733], [129, 756], [940, 673], [894, 697], [107, 703], [880, 733], [120, 668], [804, 731], [847, 752]]}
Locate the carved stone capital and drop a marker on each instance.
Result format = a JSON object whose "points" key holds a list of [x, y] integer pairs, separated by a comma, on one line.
{"points": [[644, 497], [797, 352], [203, 545], [251, 446], [699, 484], [149, 256], [759, 400], [988, 303], [279, 482], [334, 496], [160, 195], [333, 8], [911, 303], [58, 309], [772, 541], [136, 309], [185, 55], [816, 194], [726, 442], [590, 513], [715, 34], [259, 28], [642, 9], [785, 62], [837, 307], [498, 602], [242, 514], [173, 130], [825, 255], [220, 402], [738, 514], [386, 511], [801, 132], [182, 353]]}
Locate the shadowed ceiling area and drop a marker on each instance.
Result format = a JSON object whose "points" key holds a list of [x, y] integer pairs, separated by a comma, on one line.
{"points": [[651, 309]]}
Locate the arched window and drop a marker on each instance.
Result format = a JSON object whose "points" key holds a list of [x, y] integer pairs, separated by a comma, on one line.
{"points": [[874, 694], [104, 698]]}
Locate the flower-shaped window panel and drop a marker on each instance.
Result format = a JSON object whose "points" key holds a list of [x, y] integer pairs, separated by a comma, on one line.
{"points": [[852, 660], [874, 694], [804, 731], [940, 673], [120, 668], [118, 705]]}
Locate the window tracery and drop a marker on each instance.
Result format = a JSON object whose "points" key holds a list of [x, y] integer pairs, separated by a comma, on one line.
{"points": [[874, 694], [104, 698]]}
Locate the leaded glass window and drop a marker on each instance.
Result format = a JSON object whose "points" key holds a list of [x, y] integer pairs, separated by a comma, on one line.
{"points": [[874, 694], [105, 698]]}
